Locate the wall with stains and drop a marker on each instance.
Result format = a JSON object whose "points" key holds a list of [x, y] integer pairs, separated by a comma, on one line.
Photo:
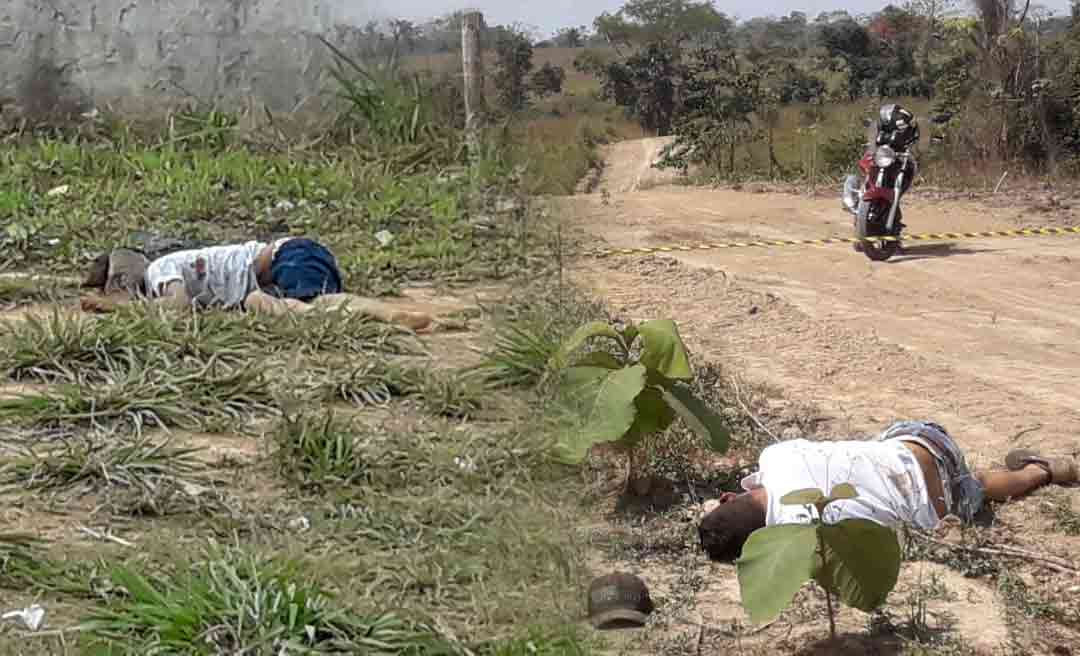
{"points": [[87, 52]]}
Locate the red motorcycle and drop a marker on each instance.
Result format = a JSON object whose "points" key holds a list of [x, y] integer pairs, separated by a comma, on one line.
{"points": [[888, 167]]}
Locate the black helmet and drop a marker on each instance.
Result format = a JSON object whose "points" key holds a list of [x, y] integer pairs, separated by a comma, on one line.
{"points": [[897, 127]]}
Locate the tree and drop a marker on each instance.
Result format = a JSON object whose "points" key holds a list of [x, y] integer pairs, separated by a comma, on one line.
{"points": [[645, 85], [570, 37], [405, 34], [547, 80], [673, 21], [720, 99], [513, 61]]}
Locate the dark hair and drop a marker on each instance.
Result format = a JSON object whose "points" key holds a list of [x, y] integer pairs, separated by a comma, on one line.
{"points": [[98, 272], [725, 530]]}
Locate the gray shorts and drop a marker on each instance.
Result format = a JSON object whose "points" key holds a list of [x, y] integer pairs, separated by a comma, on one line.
{"points": [[964, 494]]}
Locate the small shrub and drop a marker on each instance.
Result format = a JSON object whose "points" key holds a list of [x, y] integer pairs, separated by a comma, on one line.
{"points": [[547, 80], [625, 396], [856, 559]]}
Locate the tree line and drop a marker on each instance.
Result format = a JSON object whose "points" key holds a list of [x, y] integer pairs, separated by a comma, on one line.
{"points": [[1003, 76]]}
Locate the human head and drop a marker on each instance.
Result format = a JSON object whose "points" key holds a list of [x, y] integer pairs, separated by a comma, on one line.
{"points": [[725, 530], [97, 274], [121, 270]]}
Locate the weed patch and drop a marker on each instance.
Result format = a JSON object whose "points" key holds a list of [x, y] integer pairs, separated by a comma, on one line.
{"points": [[96, 460], [1058, 507], [317, 450], [209, 397], [234, 601]]}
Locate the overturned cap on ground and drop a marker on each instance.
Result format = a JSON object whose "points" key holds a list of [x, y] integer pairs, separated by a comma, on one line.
{"points": [[619, 601]]}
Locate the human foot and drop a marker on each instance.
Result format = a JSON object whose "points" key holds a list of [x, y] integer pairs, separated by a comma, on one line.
{"points": [[1063, 471]]}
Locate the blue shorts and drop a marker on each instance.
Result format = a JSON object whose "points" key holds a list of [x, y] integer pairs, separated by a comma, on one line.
{"points": [[304, 269], [964, 494]]}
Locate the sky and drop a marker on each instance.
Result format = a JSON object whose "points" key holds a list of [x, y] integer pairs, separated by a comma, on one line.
{"points": [[549, 15]]}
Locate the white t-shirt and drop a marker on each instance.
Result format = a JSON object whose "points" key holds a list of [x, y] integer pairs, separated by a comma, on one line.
{"points": [[228, 273], [886, 475]]}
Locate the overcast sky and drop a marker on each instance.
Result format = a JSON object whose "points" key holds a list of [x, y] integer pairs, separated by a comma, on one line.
{"points": [[548, 15]]}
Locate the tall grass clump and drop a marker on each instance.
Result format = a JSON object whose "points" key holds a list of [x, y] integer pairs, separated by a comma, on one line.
{"points": [[234, 601]]}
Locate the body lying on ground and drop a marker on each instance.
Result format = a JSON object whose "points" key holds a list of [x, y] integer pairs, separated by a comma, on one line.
{"points": [[293, 274], [914, 474]]}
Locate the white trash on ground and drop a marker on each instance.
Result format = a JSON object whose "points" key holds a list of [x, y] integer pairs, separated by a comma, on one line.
{"points": [[32, 617]]}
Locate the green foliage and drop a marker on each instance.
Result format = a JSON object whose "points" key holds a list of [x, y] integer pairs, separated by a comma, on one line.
{"points": [[547, 80], [656, 21], [644, 84], [855, 559], [317, 450], [623, 397], [394, 109], [236, 602], [513, 62], [96, 461]]}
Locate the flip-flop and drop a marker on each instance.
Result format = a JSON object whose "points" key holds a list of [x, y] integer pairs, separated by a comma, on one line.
{"points": [[1063, 471]]}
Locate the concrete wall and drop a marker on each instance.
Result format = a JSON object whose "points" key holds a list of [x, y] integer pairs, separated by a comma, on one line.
{"points": [[95, 51]]}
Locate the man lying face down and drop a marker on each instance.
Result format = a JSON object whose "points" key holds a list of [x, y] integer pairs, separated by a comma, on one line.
{"points": [[294, 274], [913, 474]]}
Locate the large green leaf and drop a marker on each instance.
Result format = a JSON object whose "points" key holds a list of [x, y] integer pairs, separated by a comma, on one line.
{"points": [[843, 491], [582, 380], [775, 562], [861, 562], [808, 497], [663, 350], [702, 420], [609, 415], [653, 415], [583, 334]]}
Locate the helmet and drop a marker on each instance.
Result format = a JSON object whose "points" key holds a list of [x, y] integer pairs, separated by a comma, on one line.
{"points": [[897, 127]]}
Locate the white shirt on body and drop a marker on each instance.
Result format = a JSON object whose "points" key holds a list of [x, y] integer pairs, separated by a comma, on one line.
{"points": [[886, 475], [227, 279]]}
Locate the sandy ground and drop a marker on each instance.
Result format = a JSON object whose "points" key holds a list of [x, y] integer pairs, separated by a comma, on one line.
{"points": [[982, 336]]}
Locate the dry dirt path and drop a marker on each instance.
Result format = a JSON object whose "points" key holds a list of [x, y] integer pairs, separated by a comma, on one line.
{"points": [[983, 336]]}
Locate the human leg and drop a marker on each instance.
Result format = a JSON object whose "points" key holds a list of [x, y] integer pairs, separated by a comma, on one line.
{"points": [[380, 310], [1004, 485], [260, 302], [1027, 471]]}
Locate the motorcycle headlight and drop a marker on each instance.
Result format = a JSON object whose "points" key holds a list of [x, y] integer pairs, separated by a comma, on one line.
{"points": [[884, 157]]}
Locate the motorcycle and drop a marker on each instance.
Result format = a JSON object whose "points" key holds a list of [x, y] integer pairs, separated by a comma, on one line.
{"points": [[887, 173]]}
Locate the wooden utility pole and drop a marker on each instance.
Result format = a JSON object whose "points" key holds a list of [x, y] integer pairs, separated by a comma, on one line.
{"points": [[473, 59]]}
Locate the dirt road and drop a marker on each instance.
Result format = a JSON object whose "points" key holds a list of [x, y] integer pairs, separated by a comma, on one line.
{"points": [[983, 336]]}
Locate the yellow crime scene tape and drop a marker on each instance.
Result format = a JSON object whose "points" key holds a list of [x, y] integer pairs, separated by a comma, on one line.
{"points": [[770, 243]]}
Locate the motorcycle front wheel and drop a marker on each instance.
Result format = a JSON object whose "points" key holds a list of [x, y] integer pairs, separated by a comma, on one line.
{"points": [[878, 251]]}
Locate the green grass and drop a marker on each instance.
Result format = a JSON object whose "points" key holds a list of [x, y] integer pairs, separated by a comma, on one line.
{"points": [[316, 450], [98, 460], [234, 601], [160, 394], [67, 347], [17, 291], [444, 510], [339, 196]]}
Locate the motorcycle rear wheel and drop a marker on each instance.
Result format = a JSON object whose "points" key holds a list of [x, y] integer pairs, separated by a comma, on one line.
{"points": [[878, 251]]}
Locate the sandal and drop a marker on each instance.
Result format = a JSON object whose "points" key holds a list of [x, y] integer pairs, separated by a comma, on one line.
{"points": [[1063, 471]]}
